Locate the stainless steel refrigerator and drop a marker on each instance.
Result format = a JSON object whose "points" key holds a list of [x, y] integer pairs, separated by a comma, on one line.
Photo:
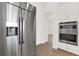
{"points": [[24, 16]]}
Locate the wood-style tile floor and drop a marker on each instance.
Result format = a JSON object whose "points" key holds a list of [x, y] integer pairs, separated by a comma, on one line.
{"points": [[45, 50]]}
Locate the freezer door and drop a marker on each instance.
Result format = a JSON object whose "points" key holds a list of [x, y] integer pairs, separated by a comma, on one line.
{"points": [[28, 33], [11, 41]]}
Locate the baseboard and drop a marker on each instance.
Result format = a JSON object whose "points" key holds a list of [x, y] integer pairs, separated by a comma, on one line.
{"points": [[42, 43], [67, 51]]}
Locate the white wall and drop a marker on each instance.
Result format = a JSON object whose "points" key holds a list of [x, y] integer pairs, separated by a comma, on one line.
{"points": [[51, 14], [46, 22], [41, 23]]}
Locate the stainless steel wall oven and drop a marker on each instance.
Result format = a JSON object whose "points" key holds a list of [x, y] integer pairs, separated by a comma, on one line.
{"points": [[68, 32]]}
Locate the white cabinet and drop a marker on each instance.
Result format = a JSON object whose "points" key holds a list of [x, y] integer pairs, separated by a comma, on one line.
{"points": [[62, 12], [68, 11]]}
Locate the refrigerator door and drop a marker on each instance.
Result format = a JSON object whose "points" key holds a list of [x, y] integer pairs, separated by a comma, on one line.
{"points": [[2, 28], [1, 25], [11, 41], [28, 33], [24, 43]]}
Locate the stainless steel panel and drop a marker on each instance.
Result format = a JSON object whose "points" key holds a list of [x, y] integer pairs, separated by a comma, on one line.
{"points": [[68, 31], [31, 8], [2, 27], [23, 5], [64, 41], [11, 46], [34, 33], [28, 34], [68, 23], [11, 41], [19, 4], [15, 3]]}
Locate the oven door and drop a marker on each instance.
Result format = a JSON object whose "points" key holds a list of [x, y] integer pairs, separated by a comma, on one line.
{"points": [[68, 38]]}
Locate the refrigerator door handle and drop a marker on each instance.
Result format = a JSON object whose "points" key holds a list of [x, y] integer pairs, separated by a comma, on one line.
{"points": [[19, 31], [22, 32]]}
